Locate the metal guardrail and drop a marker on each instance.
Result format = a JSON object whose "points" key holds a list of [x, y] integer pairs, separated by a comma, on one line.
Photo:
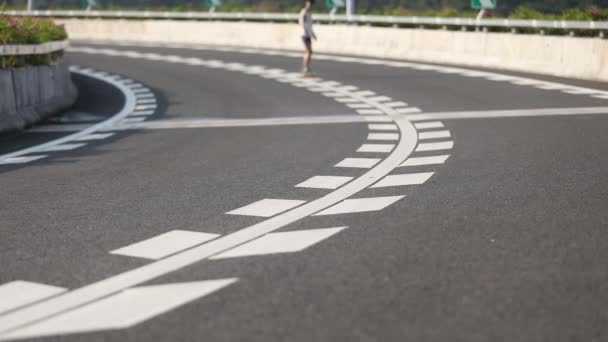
{"points": [[355, 19], [28, 50]]}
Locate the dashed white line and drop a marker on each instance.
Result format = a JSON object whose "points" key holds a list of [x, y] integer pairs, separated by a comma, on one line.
{"points": [[165, 244], [377, 148], [325, 182], [405, 179], [383, 136], [382, 127], [433, 160], [282, 242], [20, 160], [359, 105], [427, 125], [18, 293], [360, 205], [266, 207], [123, 310], [358, 163], [370, 111], [433, 135], [396, 104], [408, 110], [64, 147], [446, 145]]}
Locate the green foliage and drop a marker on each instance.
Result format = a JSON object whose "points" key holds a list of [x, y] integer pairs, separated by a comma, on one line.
{"points": [[27, 30]]}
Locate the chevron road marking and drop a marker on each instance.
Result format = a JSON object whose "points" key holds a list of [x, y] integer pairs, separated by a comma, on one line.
{"points": [[283, 242]]}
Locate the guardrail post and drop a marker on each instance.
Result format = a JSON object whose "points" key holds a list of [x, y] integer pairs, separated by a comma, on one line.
{"points": [[602, 34], [513, 30], [350, 9], [30, 5]]}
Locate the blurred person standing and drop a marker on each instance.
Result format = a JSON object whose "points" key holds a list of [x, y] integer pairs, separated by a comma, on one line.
{"points": [[305, 20]]}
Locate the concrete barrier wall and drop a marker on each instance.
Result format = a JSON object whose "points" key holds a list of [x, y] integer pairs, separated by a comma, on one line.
{"points": [[31, 94], [585, 58]]}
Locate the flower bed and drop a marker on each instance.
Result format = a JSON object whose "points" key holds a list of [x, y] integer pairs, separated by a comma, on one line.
{"points": [[29, 31]]}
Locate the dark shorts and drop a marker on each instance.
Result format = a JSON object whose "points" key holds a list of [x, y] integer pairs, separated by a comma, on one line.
{"points": [[307, 42]]}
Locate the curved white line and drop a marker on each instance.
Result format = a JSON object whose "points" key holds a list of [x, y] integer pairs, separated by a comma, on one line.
{"points": [[109, 286], [128, 107]]}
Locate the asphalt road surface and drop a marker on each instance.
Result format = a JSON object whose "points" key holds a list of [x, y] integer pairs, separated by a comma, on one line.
{"points": [[233, 200]]}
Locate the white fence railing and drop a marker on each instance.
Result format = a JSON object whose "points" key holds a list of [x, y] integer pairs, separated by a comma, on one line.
{"points": [[513, 24], [41, 49]]}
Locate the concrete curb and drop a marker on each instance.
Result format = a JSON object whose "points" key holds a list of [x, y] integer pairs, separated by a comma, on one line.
{"points": [[31, 94]]}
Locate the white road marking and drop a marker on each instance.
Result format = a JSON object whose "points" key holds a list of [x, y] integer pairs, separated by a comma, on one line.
{"points": [[360, 205], [332, 94], [408, 110], [127, 108], [380, 148], [276, 121], [267, 207], [382, 127], [434, 135], [325, 182], [379, 98], [95, 136], [20, 160], [146, 101], [417, 161], [349, 88], [282, 242], [144, 107], [19, 293], [359, 105], [446, 145], [346, 99], [508, 113], [364, 93], [64, 147], [358, 163], [165, 244], [370, 111], [396, 104], [383, 136], [377, 118], [123, 310], [142, 112], [427, 125], [525, 82], [406, 179], [133, 119], [416, 66], [74, 299], [140, 91], [603, 97], [332, 84]]}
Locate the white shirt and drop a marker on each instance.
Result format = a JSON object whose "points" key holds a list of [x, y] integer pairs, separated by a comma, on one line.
{"points": [[306, 21]]}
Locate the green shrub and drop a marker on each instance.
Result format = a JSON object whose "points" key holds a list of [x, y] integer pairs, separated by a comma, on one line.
{"points": [[27, 30]]}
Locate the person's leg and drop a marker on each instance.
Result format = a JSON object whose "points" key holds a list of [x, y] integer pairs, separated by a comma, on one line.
{"points": [[308, 58], [307, 54]]}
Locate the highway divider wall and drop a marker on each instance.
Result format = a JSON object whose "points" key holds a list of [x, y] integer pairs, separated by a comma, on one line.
{"points": [[31, 94], [564, 56]]}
